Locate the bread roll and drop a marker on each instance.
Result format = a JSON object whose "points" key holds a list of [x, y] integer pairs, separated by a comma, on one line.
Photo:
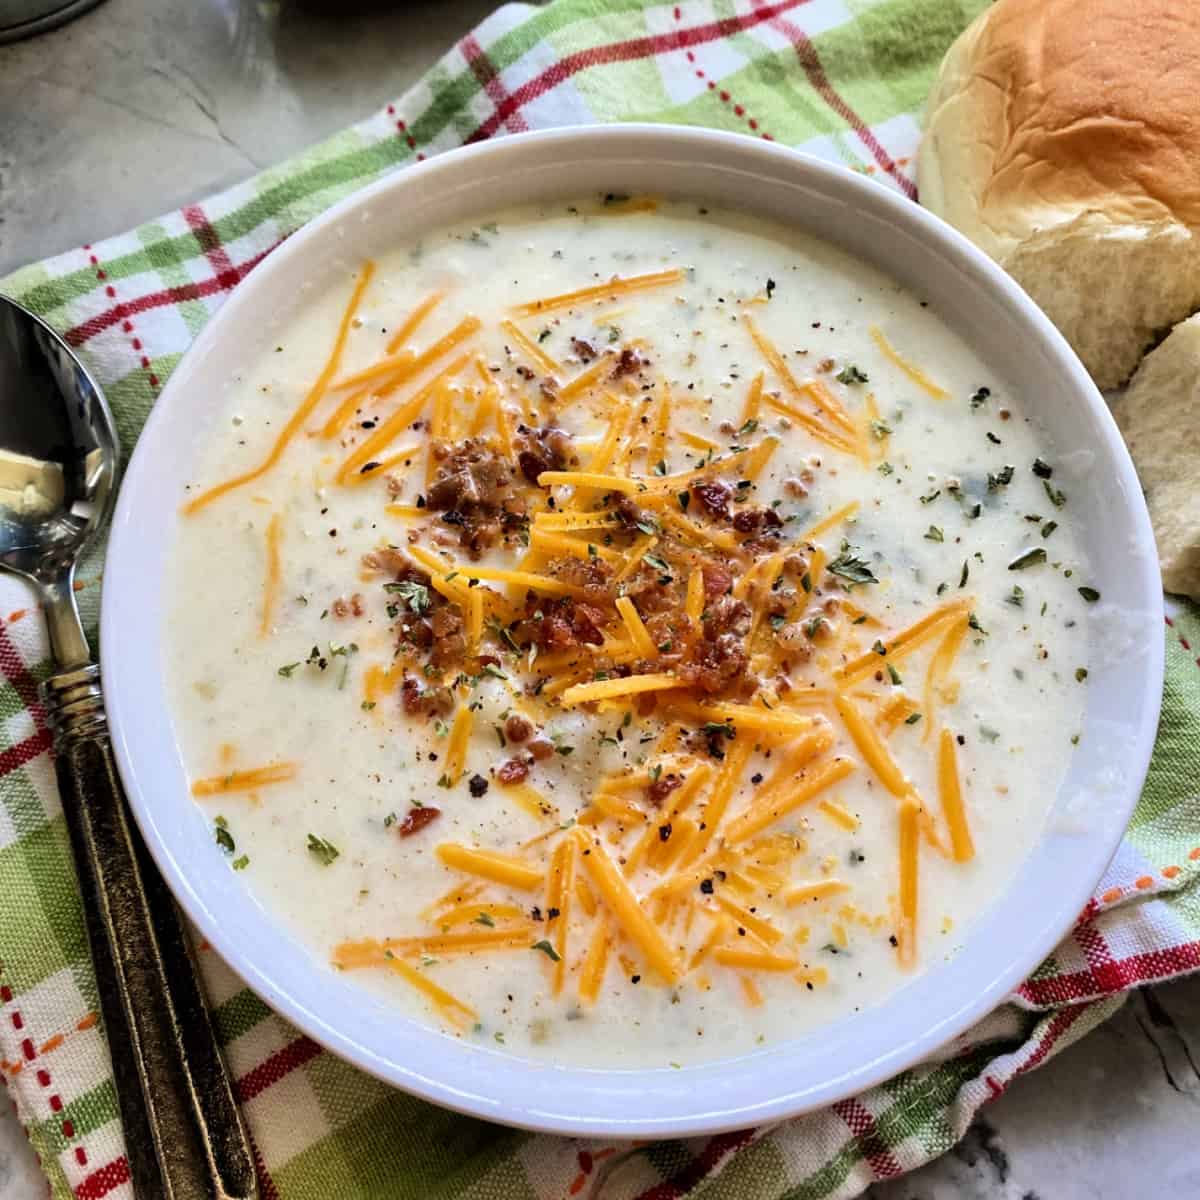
{"points": [[1159, 414], [1063, 137]]}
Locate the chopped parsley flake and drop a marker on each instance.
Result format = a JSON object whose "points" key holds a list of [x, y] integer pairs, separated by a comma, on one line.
{"points": [[324, 852], [1029, 558], [1056, 497], [934, 534], [415, 595], [850, 567], [999, 479], [547, 949], [851, 374], [1089, 594]]}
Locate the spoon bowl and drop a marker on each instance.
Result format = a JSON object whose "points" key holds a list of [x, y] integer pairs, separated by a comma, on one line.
{"points": [[59, 451], [58, 467]]}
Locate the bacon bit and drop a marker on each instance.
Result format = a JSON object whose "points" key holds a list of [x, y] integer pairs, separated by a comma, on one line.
{"points": [[541, 749], [628, 362], [662, 787], [517, 729], [717, 580], [420, 700], [584, 349], [342, 607], [514, 770], [449, 643], [472, 488], [714, 495], [545, 449], [757, 520], [416, 819]]}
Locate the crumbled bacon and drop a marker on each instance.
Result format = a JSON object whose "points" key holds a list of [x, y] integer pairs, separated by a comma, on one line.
{"points": [[594, 575], [388, 559], [472, 489], [541, 748], [513, 770], [583, 348], [627, 512], [419, 700], [416, 819], [627, 363], [545, 449], [563, 623], [714, 495], [662, 787], [342, 607], [719, 666], [757, 520], [727, 615], [449, 643], [718, 579], [517, 728]]}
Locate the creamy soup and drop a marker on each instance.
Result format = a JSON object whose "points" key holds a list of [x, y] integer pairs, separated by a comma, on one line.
{"points": [[625, 632]]}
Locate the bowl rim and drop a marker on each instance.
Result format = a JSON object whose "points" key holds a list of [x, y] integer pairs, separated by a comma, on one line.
{"points": [[590, 1103]]}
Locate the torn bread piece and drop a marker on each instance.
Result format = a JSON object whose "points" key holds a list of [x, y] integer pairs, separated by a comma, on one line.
{"points": [[1074, 162], [1159, 415]]}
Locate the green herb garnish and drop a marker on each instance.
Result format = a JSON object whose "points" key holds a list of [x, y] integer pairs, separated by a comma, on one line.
{"points": [[324, 852], [1028, 559]]}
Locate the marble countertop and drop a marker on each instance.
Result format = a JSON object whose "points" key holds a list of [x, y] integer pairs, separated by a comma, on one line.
{"points": [[142, 105]]}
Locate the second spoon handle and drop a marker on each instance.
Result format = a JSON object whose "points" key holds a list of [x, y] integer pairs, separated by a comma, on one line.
{"points": [[184, 1135]]}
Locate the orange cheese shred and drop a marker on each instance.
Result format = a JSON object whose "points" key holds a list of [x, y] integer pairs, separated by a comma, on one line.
{"points": [[624, 906], [910, 369], [950, 791], [602, 291], [910, 846], [903, 643], [491, 864], [405, 366], [448, 1005], [274, 567], [400, 420], [822, 397], [765, 811], [529, 347], [591, 975], [314, 396], [872, 747], [244, 781]]}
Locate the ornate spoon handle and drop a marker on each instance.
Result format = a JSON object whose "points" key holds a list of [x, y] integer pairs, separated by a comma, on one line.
{"points": [[184, 1135]]}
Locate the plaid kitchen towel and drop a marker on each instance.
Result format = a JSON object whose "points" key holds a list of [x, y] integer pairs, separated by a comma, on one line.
{"points": [[843, 79]]}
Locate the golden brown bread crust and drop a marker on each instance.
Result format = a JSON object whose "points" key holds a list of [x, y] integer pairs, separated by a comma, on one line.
{"points": [[1048, 108], [1063, 138]]}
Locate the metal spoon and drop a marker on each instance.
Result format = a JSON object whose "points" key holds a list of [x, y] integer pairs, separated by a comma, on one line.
{"points": [[184, 1136]]}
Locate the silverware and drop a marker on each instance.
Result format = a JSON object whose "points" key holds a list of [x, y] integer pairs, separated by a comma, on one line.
{"points": [[184, 1135]]}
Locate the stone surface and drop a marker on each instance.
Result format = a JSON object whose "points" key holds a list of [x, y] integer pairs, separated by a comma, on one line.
{"points": [[143, 105]]}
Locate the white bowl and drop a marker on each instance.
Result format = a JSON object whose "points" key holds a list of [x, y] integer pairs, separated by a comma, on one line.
{"points": [[1023, 923]]}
